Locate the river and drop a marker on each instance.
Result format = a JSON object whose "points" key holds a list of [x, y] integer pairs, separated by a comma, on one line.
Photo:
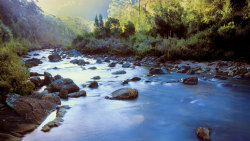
{"points": [[162, 112]]}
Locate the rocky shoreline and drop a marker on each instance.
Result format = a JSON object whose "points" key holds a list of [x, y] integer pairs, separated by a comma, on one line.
{"points": [[20, 115]]}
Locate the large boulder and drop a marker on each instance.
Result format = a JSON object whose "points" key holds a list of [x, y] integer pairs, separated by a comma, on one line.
{"points": [[204, 133], [63, 94], [190, 80], [156, 71], [31, 109], [124, 94], [64, 83], [54, 57], [77, 94], [48, 78], [52, 98], [32, 62]]}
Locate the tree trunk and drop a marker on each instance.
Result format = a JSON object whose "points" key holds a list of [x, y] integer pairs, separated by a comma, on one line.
{"points": [[139, 7]]}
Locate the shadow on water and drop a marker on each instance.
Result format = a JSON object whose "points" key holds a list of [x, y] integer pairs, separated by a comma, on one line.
{"points": [[163, 111]]}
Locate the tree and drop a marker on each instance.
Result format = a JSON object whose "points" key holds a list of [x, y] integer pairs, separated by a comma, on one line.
{"points": [[100, 21], [129, 29], [96, 21]]}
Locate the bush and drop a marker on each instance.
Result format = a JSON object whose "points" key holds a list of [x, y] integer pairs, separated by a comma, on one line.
{"points": [[5, 33], [129, 30], [13, 74]]}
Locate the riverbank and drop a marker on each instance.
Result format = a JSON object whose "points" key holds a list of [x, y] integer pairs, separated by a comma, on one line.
{"points": [[211, 69]]}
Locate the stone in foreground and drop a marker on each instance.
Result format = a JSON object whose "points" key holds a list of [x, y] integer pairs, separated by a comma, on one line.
{"points": [[61, 111], [124, 94], [190, 80], [33, 110], [204, 133], [64, 83]]}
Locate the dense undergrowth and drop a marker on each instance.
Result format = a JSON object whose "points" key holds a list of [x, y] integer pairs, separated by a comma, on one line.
{"points": [[204, 30], [13, 73]]}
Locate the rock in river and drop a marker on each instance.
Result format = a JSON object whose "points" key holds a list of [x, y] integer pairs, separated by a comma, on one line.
{"points": [[156, 71], [112, 65], [190, 80], [33, 110], [96, 78], [93, 84], [63, 94], [204, 133], [55, 57], [119, 72], [135, 79], [48, 78], [53, 98], [77, 94], [92, 68], [126, 65], [35, 74], [32, 62], [61, 111], [124, 94], [36, 80], [64, 83]]}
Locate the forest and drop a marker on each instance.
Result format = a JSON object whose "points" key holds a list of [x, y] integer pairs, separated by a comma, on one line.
{"points": [[174, 29]]}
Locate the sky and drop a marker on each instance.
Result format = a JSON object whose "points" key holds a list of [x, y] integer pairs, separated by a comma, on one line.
{"points": [[86, 9]]}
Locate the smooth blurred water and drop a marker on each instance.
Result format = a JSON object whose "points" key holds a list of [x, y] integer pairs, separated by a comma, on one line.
{"points": [[163, 111]]}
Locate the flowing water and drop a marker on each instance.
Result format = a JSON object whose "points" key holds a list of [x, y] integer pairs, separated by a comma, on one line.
{"points": [[163, 111]]}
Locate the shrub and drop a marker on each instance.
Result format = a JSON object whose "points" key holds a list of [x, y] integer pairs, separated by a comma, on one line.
{"points": [[5, 33], [129, 29], [13, 74]]}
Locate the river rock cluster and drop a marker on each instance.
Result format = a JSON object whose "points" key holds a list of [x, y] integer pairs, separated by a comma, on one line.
{"points": [[30, 111]]}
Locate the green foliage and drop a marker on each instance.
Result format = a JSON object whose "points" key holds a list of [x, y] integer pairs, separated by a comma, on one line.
{"points": [[174, 29], [13, 73], [5, 33], [26, 20], [129, 29]]}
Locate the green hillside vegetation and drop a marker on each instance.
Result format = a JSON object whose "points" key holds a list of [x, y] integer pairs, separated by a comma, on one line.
{"points": [[174, 29], [23, 25]]}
